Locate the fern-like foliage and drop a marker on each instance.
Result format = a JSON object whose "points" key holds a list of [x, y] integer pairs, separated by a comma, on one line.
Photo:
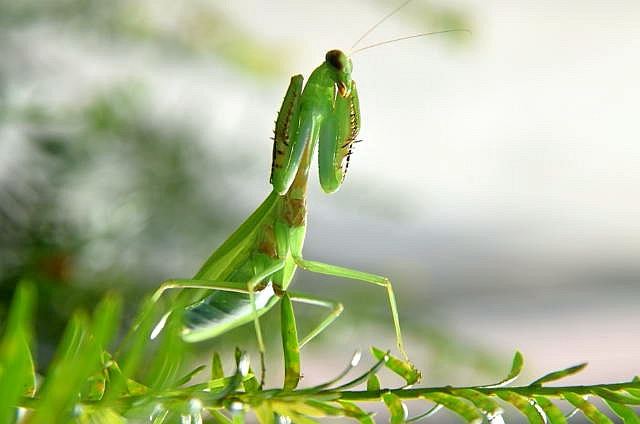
{"points": [[85, 383]]}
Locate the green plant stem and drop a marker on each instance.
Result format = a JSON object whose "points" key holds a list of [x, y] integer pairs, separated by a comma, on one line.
{"points": [[528, 391]]}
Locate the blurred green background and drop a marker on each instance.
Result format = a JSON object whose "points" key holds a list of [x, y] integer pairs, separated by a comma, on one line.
{"points": [[496, 185]]}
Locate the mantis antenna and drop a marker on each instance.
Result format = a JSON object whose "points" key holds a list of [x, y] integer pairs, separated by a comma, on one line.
{"points": [[406, 37]]}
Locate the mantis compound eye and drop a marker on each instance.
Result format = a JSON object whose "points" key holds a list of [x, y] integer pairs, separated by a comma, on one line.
{"points": [[337, 59]]}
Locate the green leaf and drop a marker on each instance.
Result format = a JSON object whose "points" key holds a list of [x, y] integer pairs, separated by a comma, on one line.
{"points": [[516, 368], [632, 391], [328, 409], [168, 359], [487, 405], [264, 413], [627, 414], [17, 374], [354, 411], [242, 369], [100, 415], [298, 412], [216, 366], [522, 404], [516, 365], [136, 389], [397, 408], [136, 341], [557, 375], [115, 380], [373, 383], [161, 415], [615, 397], [221, 418], [106, 320], [251, 384], [186, 378], [587, 408], [553, 413], [457, 405], [66, 374], [404, 369]]}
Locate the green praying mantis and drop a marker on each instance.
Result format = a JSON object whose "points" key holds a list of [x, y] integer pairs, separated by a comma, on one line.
{"points": [[252, 270]]}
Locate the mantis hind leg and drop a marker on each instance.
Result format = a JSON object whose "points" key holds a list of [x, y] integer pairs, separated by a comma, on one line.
{"points": [[336, 310], [337, 271]]}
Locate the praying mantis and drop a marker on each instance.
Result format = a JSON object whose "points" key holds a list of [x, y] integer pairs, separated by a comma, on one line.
{"points": [[252, 270]]}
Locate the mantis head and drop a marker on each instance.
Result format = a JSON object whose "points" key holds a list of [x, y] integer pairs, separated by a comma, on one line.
{"points": [[341, 66]]}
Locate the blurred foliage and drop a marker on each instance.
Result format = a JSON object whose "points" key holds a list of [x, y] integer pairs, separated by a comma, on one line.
{"points": [[145, 381], [98, 199], [197, 28]]}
